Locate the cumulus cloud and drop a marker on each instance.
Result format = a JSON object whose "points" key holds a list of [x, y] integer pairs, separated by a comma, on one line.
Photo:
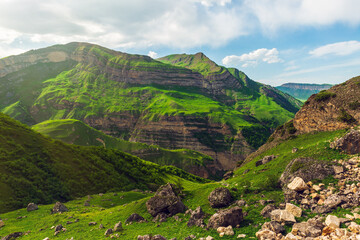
{"points": [[252, 58], [152, 54], [273, 15], [339, 49], [180, 24]]}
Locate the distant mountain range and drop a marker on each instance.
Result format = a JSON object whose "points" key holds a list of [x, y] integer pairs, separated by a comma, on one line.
{"points": [[176, 102], [303, 91]]}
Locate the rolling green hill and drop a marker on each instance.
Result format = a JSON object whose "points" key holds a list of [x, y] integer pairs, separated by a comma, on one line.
{"points": [[34, 168], [76, 132]]}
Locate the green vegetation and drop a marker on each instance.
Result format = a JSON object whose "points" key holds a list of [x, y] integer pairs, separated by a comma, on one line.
{"points": [[324, 95], [76, 132], [354, 105], [312, 145], [34, 168]]}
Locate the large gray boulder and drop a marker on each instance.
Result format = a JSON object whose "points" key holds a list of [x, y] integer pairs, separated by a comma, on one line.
{"points": [[350, 143], [135, 218], [59, 207], [307, 169], [220, 197], [165, 201], [32, 207], [197, 218], [223, 218]]}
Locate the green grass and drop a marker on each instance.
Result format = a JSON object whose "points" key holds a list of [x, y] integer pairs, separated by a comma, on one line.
{"points": [[38, 168]]}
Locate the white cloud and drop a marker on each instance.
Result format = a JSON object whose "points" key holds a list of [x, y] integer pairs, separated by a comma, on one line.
{"points": [[339, 49], [210, 3], [8, 51], [152, 54], [252, 58], [273, 15]]}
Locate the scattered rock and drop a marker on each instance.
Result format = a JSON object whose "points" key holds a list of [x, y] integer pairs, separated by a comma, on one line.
{"points": [[266, 235], [297, 184], [228, 175], [294, 210], [265, 160], [32, 207], [241, 203], [92, 223], [279, 215], [59, 227], [220, 197], [135, 218], [332, 221], [166, 200], [108, 232], [2, 223], [294, 150], [197, 218], [59, 207], [118, 227], [12, 236], [224, 218], [228, 231], [273, 226], [267, 210]]}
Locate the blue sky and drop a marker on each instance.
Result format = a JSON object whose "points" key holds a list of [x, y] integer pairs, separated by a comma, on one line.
{"points": [[272, 41]]}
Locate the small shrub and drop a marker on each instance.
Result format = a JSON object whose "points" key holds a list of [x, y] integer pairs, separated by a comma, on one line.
{"points": [[296, 166], [290, 127], [324, 95], [346, 117]]}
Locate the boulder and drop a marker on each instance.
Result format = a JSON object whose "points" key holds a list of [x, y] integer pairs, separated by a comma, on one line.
{"points": [[332, 221], [158, 237], [59, 207], [118, 227], [273, 226], [228, 231], [166, 200], [307, 169], [266, 235], [294, 210], [267, 210], [197, 218], [228, 175], [223, 218], [338, 169], [145, 237], [265, 160], [58, 228], [330, 203], [220, 197], [12, 236], [108, 232], [350, 143], [297, 184], [32, 207], [135, 218], [279, 215]]}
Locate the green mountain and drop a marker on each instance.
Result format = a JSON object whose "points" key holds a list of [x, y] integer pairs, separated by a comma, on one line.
{"points": [[34, 168], [187, 102], [303, 91], [76, 132]]}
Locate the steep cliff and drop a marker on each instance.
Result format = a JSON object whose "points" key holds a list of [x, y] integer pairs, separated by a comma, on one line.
{"points": [[190, 104], [303, 90]]}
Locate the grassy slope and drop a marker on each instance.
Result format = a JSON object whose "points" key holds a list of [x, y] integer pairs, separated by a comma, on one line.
{"points": [[76, 132], [258, 183], [37, 168]]}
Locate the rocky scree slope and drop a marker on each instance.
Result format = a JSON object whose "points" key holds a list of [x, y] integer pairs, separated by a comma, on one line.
{"points": [[220, 113]]}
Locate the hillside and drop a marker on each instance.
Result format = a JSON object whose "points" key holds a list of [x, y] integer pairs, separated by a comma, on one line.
{"points": [[220, 113], [76, 132], [302, 91], [34, 168]]}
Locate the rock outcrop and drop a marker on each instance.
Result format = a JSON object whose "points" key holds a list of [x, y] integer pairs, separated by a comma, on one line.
{"points": [[350, 143], [166, 201], [59, 208], [220, 197], [223, 218]]}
